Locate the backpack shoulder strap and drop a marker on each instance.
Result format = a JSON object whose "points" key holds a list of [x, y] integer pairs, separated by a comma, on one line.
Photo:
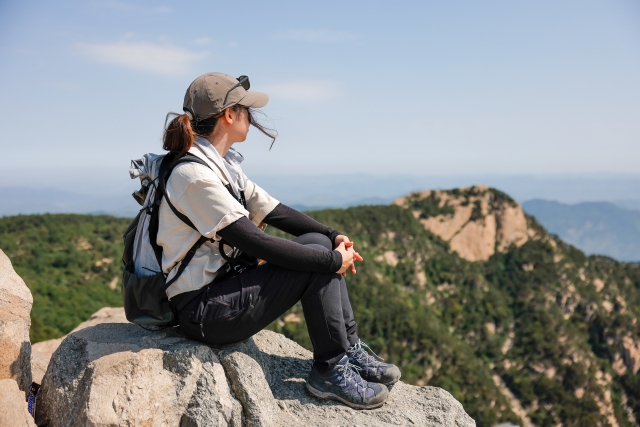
{"points": [[167, 164], [164, 178]]}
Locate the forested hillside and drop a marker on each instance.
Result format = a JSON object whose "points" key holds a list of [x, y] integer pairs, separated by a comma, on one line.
{"points": [[459, 288]]}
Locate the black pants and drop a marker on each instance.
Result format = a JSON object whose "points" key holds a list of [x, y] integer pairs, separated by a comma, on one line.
{"points": [[236, 308]]}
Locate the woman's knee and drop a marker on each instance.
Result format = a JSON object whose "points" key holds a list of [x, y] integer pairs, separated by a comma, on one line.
{"points": [[323, 283], [315, 239]]}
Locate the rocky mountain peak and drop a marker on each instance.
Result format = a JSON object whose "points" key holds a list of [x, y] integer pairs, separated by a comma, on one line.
{"points": [[476, 221]]}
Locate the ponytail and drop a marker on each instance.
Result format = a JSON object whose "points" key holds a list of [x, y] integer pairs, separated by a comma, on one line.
{"points": [[178, 136]]}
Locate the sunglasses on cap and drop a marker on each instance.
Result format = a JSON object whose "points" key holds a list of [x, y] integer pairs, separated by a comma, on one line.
{"points": [[242, 81]]}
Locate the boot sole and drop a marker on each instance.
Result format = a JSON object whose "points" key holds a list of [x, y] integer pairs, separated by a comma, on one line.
{"points": [[389, 383], [330, 396]]}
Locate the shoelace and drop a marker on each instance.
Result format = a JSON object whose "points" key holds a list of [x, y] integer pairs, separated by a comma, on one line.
{"points": [[351, 371], [362, 356]]}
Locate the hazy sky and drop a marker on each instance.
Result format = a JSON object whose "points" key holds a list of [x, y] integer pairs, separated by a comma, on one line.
{"points": [[429, 87]]}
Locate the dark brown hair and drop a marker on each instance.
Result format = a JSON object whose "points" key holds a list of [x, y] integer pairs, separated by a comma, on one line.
{"points": [[179, 134]]}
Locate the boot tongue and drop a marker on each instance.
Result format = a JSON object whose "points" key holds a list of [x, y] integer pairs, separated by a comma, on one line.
{"points": [[344, 360]]}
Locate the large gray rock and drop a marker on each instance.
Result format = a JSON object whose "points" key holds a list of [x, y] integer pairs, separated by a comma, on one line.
{"points": [[245, 368], [121, 375], [42, 351], [13, 406], [15, 321]]}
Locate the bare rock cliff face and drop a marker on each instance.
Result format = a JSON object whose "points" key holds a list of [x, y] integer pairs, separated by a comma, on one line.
{"points": [[475, 221], [121, 375]]}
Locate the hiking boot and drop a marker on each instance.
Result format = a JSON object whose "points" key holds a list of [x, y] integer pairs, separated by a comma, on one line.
{"points": [[371, 369], [343, 383]]}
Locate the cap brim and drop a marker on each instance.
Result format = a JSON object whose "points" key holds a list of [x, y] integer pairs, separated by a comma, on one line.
{"points": [[254, 100]]}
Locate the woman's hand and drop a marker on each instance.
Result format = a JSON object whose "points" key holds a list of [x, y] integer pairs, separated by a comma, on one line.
{"points": [[341, 238], [348, 256]]}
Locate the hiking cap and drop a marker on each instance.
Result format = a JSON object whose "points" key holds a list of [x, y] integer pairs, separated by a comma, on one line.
{"points": [[212, 93]]}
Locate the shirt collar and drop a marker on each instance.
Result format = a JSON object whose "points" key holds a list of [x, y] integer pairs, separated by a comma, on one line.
{"points": [[232, 155], [229, 164]]}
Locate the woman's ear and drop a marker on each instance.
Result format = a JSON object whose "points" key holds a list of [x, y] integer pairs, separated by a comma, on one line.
{"points": [[228, 117]]}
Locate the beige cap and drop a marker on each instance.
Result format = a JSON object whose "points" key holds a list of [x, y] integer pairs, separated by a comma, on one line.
{"points": [[206, 95]]}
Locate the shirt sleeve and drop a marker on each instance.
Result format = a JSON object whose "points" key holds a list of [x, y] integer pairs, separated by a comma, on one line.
{"points": [[259, 202], [294, 222], [203, 199], [245, 236]]}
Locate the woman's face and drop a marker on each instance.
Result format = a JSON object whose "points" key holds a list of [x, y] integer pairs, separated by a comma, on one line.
{"points": [[240, 124]]}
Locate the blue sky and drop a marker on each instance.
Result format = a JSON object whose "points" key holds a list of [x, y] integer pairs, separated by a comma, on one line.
{"points": [[438, 88]]}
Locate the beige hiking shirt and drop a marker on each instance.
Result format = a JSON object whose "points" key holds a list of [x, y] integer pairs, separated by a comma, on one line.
{"points": [[200, 194]]}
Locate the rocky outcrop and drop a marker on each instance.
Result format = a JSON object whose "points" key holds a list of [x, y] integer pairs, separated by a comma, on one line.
{"points": [[15, 309], [122, 375], [13, 406], [41, 351], [475, 221], [631, 354]]}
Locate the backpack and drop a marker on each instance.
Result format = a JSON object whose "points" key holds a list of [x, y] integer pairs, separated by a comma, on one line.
{"points": [[144, 284]]}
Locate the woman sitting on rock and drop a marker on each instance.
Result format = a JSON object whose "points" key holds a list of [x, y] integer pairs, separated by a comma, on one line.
{"points": [[223, 296]]}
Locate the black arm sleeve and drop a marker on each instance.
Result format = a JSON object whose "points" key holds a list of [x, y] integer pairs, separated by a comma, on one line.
{"points": [[293, 222], [244, 235]]}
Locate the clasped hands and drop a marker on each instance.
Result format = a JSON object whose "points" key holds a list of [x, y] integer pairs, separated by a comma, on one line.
{"points": [[349, 255]]}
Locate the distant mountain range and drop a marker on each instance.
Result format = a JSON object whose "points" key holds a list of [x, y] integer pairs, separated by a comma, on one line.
{"points": [[594, 227], [109, 191], [609, 227]]}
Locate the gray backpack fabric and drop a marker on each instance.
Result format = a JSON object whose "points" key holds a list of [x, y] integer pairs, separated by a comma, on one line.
{"points": [[144, 284]]}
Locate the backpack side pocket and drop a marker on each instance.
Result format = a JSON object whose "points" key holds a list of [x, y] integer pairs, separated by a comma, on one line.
{"points": [[141, 302]]}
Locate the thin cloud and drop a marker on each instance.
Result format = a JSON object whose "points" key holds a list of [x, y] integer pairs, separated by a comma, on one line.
{"points": [[307, 91], [319, 36], [154, 58], [203, 40]]}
